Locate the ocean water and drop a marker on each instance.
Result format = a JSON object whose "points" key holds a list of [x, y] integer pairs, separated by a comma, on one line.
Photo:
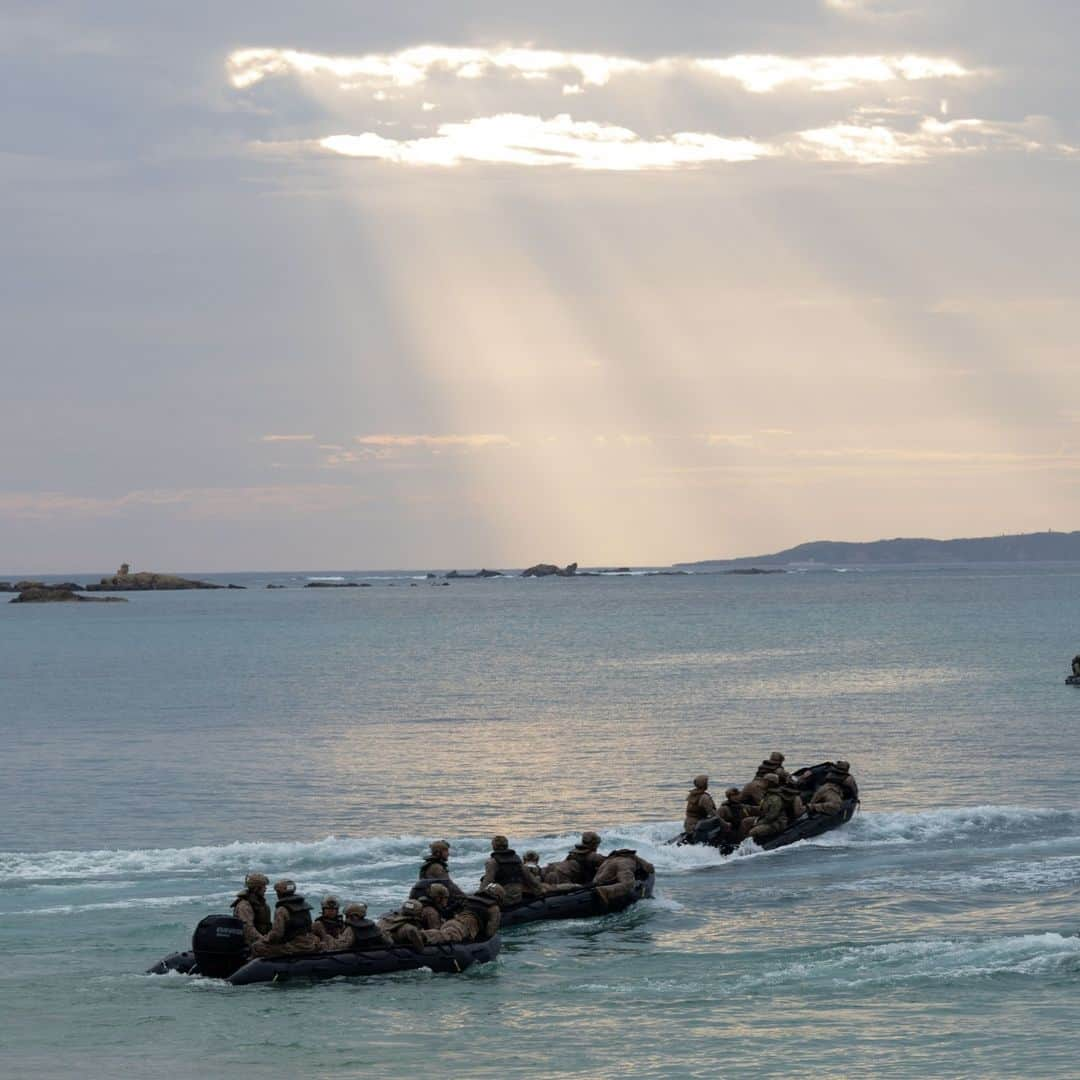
{"points": [[156, 751]]}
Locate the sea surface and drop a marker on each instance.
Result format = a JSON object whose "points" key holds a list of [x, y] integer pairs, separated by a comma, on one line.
{"points": [[156, 751]]}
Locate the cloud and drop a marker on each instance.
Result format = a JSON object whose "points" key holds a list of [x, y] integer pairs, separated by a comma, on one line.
{"points": [[889, 137], [762, 74], [514, 139], [288, 438], [433, 441], [414, 66], [409, 68], [877, 144]]}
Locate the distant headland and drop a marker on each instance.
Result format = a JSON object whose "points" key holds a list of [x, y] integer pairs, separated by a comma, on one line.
{"points": [[1019, 548]]}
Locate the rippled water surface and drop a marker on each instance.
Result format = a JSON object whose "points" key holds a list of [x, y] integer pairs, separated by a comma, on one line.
{"points": [[158, 750]]}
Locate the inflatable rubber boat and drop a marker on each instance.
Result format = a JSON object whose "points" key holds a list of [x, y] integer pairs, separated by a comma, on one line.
{"points": [[808, 780], [580, 903], [218, 951], [1072, 680]]}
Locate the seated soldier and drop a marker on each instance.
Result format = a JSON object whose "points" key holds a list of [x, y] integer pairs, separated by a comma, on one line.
{"points": [[404, 925], [580, 865], [776, 760], [754, 791], [732, 813], [621, 870], [329, 924], [534, 876], [699, 804], [504, 867], [360, 933], [251, 908], [829, 798], [1076, 665], [437, 865], [771, 818], [794, 807], [438, 906], [291, 931], [847, 784], [477, 920]]}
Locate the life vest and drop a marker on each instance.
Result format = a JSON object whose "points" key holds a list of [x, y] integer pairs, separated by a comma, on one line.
{"points": [[641, 870], [332, 924], [299, 917], [396, 920], [583, 862], [694, 809], [430, 862], [509, 869], [366, 935], [736, 812], [263, 919]]}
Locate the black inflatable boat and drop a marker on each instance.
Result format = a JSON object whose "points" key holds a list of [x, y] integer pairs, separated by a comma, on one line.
{"points": [[1072, 680], [218, 952], [713, 832], [581, 903]]}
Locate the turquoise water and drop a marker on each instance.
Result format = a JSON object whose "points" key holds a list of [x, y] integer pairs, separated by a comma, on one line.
{"points": [[156, 751]]}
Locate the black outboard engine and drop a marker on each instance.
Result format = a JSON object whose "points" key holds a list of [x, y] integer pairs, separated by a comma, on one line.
{"points": [[219, 947]]}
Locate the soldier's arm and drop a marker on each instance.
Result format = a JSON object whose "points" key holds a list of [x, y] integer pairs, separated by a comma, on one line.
{"points": [[277, 930]]}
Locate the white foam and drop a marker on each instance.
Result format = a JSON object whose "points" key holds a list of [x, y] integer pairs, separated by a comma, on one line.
{"points": [[132, 902], [332, 856]]}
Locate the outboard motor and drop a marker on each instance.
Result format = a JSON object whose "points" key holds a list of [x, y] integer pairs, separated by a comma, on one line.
{"points": [[219, 947]]}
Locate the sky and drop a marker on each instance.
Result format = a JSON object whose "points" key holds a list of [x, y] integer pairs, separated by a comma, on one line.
{"points": [[438, 285]]}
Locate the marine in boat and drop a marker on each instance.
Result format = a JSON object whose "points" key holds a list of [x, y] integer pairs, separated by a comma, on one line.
{"points": [[219, 951], [817, 816]]}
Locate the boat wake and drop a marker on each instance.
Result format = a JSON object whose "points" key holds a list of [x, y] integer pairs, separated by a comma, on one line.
{"points": [[389, 860]]}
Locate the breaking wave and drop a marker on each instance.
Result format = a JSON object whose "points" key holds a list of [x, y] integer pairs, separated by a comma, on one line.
{"points": [[337, 855]]}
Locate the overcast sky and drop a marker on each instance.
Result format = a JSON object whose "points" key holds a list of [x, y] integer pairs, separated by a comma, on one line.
{"points": [[441, 284]]}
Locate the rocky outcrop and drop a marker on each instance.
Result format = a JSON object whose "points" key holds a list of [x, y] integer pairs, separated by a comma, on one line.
{"points": [[755, 570], [338, 585], [145, 582], [23, 586], [53, 595], [550, 570]]}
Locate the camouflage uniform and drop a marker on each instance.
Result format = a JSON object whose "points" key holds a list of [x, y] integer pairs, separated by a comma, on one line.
{"points": [[771, 818], [699, 804], [775, 763], [437, 907], [794, 808], [477, 921], [284, 939], [251, 908], [504, 867], [828, 799], [850, 788], [360, 933], [534, 876], [329, 924], [621, 871], [732, 812], [404, 926], [437, 865], [580, 865]]}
